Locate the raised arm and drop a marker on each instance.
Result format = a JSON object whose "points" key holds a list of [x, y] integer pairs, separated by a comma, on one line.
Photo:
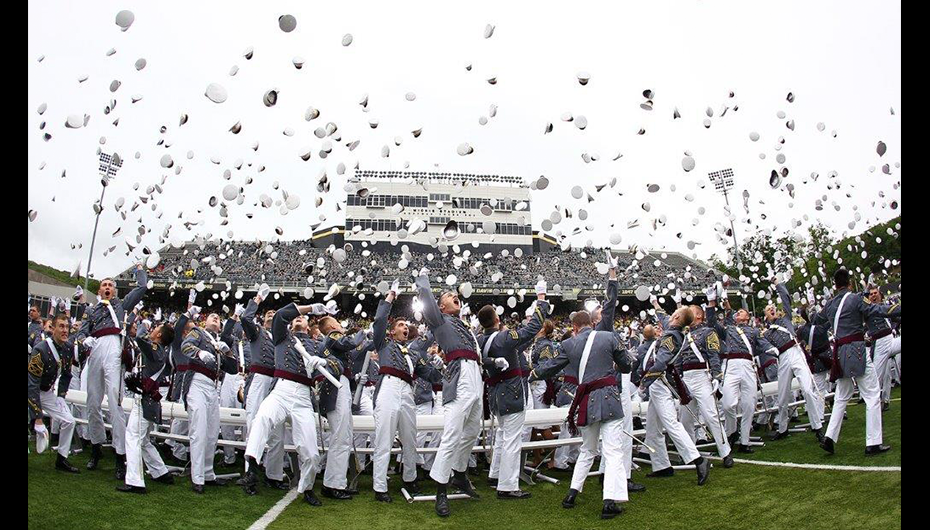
{"points": [[248, 320], [550, 368], [526, 332], [282, 319], [610, 308], [379, 329], [784, 297], [135, 296], [431, 312]]}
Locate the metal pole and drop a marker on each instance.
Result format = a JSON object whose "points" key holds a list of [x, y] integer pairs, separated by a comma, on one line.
{"points": [[93, 238]]}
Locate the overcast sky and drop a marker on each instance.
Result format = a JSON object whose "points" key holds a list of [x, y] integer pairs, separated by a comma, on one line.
{"points": [[840, 59]]}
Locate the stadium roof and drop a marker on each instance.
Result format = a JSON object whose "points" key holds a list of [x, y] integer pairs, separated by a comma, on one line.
{"points": [[451, 178]]}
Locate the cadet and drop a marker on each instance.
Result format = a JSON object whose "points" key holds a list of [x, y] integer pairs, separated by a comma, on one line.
{"points": [[847, 313], [884, 344], [791, 364], [139, 447], [50, 363], [506, 394], [103, 332]]}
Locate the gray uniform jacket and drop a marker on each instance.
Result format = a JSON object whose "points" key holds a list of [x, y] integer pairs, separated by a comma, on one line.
{"points": [[339, 347], [506, 392], [603, 404], [393, 355], [669, 344], [708, 345], [423, 388], [98, 318], [36, 332], [198, 340], [154, 368], [780, 339], [43, 370], [290, 361], [358, 360], [851, 356], [451, 333], [819, 354], [260, 348], [732, 343], [177, 360], [636, 374]]}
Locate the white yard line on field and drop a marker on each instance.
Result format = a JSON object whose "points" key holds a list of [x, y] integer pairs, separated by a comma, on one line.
{"points": [[812, 466], [275, 511]]}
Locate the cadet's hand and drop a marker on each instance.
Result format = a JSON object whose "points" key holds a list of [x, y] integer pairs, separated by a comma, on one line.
{"points": [[501, 363], [89, 342], [424, 272], [437, 362], [239, 310], [193, 312], [78, 293], [222, 347], [541, 286], [395, 287], [711, 293], [331, 308], [612, 261], [205, 356], [362, 379], [314, 362], [192, 296], [641, 391], [263, 291], [317, 309]]}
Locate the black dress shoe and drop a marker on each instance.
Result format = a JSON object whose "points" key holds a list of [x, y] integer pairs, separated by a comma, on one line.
{"points": [[779, 435], [216, 482], [827, 444], [332, 493], [569, 500], [875, 449], [274, 484], [120, 467], [382, 496], [703, 469], [126, 488], [519, 494], [62, 464], [667, 472], [733, 438], [460, 481], [351, 491], [565, 469], [492, 482], [197, 488], [311, 499], [442, 505], [611, 509], [728, 460], [745, 449], [885, 406], [167, 478], [819, 434], [413, 488], [634, 487], [95, 455]]}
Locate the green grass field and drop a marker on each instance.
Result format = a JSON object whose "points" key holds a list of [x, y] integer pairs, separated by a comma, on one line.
{"points": [[746, 496]]}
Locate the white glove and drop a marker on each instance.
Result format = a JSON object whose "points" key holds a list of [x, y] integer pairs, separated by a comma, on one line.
{"points": [[653, 299], [78, 293], [222, 347], [317, 309], [641, 392], [193, 312], [714, 386], [437, 362], [395, 287], [424, 272], [541, 286], [612, 261], [239, 310], [206, 356], [362, 379], [721, 293], [711, 293], [465, 311], [89, 342], [41, 438], [677, 296], [313, 362], [192, 296], [501, 363], [263, 291], [331, 308]]}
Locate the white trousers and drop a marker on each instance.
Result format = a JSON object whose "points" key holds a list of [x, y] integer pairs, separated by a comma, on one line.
{"points": [[340, 440], [424, 409], [366, 409], [739, 395], [57, 409], [203, 409], [869, 392], [614, 471], [104, 372], [461, 424], [139, 449], [229, 398], [662, 414], [288, 400], [394, 414], [885, 348], [435, 436], [791, 364], [565, 455], [505, 462], [822, 382], [259, 389], [178, 449], [78, 411], [703, 403], [626, 443]]}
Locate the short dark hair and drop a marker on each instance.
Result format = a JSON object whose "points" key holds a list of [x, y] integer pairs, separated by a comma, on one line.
{"points": [[841, 277], [486, 316], [581, 319], [61, 316], [167, 335]]}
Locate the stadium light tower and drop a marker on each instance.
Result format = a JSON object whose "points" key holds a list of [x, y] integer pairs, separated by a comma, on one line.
{"points": [[723, 181], [108, 167]]}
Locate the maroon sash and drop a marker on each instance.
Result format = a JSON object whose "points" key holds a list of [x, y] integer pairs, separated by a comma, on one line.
{"points": [[883, 333], [400, 374], [836, 371], [737, 355], [462, 354], [684, 397], [580, 402], [513, 372], [787, 346], [297, 378], [203, 370], [150, 388], [104, 332], [264, 370], [570, 379]]}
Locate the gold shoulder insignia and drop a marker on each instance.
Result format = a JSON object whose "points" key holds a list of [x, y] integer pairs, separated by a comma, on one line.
{"points": [[195, 333], [335, 335], [514, 336], [668, 343], [35, 365], [326, 352], [713, 342]]}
